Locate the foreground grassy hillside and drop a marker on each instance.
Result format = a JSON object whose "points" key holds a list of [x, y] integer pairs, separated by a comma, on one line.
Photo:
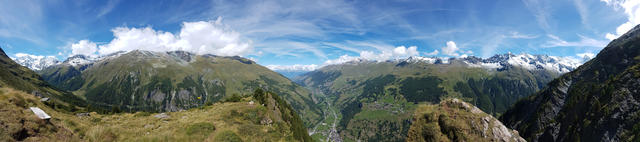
{"points": [[267, 118]]}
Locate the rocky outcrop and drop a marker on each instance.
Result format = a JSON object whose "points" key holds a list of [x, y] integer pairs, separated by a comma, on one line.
{"points": [[455, 120]]}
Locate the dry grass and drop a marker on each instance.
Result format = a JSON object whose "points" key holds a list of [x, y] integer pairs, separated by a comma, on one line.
{"points": [[239, 118]]}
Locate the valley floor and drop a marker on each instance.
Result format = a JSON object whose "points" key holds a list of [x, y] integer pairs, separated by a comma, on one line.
{"points": [[326, 130]]}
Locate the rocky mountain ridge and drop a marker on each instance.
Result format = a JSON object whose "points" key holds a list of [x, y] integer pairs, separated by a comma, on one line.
{"points": [[599, 101]]}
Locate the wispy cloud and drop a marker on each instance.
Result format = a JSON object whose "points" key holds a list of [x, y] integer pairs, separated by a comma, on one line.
{"points": [[583, 11], [583, 42], [108, 8], [541, 11], [22, 20], [517, 35]]}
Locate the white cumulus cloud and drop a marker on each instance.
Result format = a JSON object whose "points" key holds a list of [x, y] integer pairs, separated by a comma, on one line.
{"points": [[84, 47], [404, 51], [341, 59], [396, 53], [631, 9], [296, 67], [21, 55], [202, 37], [451, 49], [435, 52]]}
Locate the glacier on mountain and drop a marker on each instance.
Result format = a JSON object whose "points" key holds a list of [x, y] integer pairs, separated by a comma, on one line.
{"points": [[35, 62]]}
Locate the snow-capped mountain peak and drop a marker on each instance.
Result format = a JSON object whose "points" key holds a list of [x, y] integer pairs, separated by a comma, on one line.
{"points": [[35, 62], [504, 61], [79, 60], [535, 62]]}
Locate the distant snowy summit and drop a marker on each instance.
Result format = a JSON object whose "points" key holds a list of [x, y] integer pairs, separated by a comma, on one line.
{"points": [[78, 60], [41, 62], [498, 62], [35, 62]]}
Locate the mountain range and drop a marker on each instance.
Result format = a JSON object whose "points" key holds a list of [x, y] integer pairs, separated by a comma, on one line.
{"points": [[35, 62], [170, 81], [376, 100], [498, 61]]}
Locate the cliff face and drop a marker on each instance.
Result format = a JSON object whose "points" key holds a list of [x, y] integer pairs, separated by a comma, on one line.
{"points": [[455, 120], [598, 101]]}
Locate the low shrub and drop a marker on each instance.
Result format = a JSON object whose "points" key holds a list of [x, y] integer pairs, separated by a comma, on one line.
{"points": [[202, 128], [227, 136]]}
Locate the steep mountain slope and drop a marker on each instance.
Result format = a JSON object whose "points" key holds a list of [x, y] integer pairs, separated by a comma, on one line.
{"points": [[172, 81], [266, 119], [454, 120], [19, 77], [599, 101], [377, 99]]}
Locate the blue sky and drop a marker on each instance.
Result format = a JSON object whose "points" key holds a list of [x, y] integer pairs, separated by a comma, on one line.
{"points": [[315, 32]]}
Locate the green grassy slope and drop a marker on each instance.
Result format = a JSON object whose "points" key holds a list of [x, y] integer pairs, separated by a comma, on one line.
{"points": [[172, 81]]}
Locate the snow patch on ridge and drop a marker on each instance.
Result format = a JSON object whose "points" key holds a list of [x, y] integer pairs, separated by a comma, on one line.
{"points": [[498, 62]]}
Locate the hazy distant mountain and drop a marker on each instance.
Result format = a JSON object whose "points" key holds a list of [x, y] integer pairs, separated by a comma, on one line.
{"points": [[599, 101], [292, 71], [291, 74]]}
